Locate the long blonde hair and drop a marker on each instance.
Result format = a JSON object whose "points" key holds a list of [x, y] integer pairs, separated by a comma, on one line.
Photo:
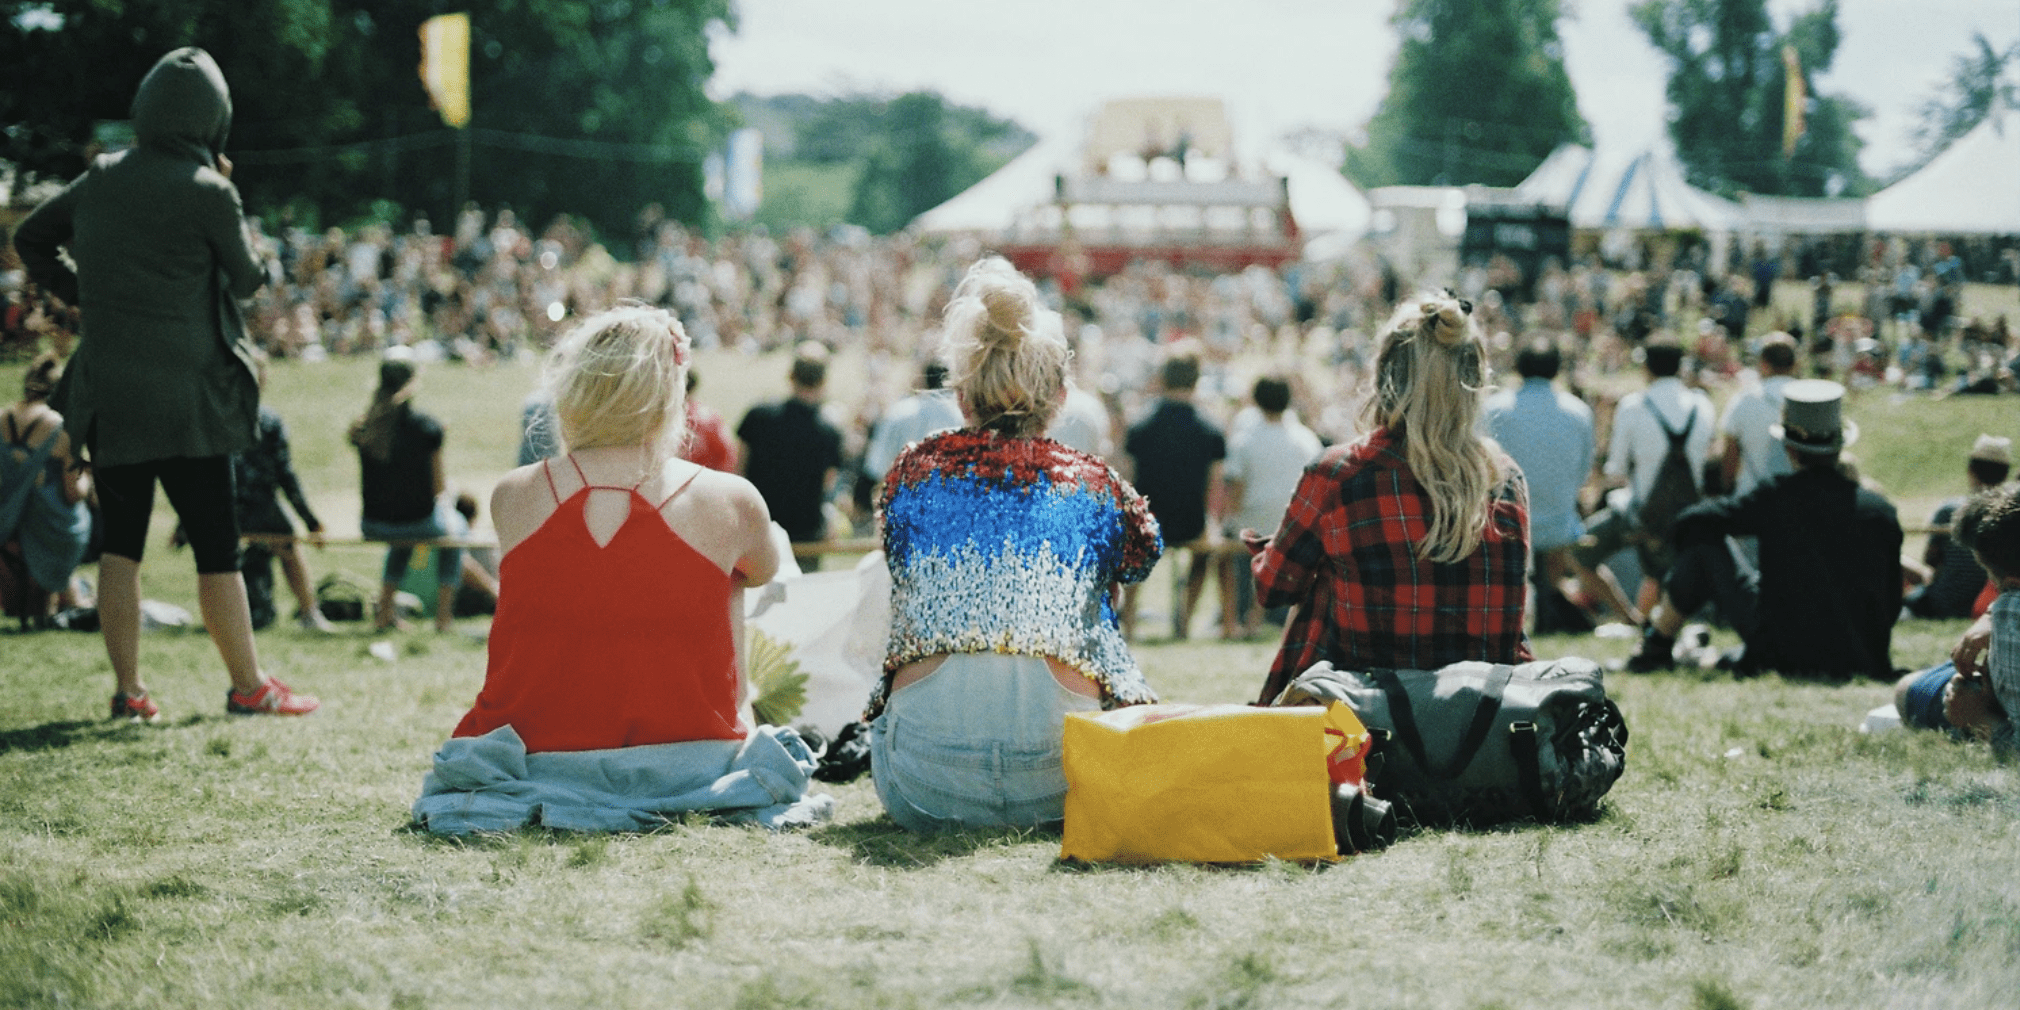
{"points": [[620, 379], [1430, 368], [1005, 352]]}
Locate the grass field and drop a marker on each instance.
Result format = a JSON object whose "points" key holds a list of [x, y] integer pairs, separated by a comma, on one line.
{"points": [[1760, 852]]}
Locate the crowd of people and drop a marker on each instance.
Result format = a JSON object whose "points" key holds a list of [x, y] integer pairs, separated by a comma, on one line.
{"points": [[1067, 437]]}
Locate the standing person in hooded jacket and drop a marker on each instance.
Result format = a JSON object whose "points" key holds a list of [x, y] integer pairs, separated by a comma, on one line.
{"points": [[162, 387]]}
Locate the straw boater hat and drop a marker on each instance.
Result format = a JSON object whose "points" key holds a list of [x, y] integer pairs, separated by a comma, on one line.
{"points": [[1993, 449], [1813, 417]]}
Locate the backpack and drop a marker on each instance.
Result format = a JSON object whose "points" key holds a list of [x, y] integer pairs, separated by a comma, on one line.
{"points": [[1675, 487], [342, 596], [1476, 744]]}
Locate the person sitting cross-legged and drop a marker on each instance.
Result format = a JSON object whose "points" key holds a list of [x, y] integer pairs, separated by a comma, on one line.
{"points": [[1828, 589], [1978, 691], [1954, 578], [613, 689], [1409, 546], [1005, 549]]}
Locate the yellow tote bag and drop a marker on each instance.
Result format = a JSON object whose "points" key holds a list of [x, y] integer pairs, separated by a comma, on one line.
{"points": [[1206, 783]]}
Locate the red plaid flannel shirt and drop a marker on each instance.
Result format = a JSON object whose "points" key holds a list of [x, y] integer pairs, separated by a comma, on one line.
{"points": [[1347, 555]]}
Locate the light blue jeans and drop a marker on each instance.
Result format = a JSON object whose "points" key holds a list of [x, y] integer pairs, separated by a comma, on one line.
{"points": [[975, 744], [446, 522]]}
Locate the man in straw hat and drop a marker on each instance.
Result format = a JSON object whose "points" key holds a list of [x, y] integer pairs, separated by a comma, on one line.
{"points": [[1954, 579], [1828, 588]]}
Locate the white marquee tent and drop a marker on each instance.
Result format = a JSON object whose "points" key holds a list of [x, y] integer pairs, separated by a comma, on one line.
{"points": [[1329, 210], [1612, 189], [1972, 188]]}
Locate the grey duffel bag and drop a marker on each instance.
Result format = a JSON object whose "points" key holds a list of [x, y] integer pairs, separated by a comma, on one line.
{"points": [[1482, 743]]}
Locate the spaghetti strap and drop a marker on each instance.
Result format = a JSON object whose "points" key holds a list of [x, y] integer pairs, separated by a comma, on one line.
{"points": [[683, 486], [578, 470], [548, 469]]}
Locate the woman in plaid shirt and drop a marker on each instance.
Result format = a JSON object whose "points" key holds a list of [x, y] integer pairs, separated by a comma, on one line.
{"points": [[1409, 547]]}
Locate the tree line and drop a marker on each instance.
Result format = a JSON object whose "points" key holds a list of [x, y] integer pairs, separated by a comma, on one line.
{"points": [[1478, 94], [598, 108], [593, 108]]}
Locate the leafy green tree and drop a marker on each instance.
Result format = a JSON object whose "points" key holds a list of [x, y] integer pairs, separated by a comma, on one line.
{"points": [[593, 108], [1978, 81], [66, 66], [1478, 95], [918, 166], [1727, 85]]}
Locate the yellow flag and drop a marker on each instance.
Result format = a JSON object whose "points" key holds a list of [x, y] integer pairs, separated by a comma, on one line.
{"points": [[445, 66], [1793, 101]]}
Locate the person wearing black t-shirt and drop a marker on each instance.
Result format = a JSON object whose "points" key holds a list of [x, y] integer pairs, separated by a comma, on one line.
{"points": [[1177, 456], [792, 455], [400, 454]]}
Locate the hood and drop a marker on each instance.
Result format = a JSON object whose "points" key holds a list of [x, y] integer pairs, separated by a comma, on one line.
{"points": [[183, 106]]}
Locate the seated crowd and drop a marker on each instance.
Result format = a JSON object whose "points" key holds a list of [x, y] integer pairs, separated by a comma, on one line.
{"points": [[1407, 547], [616, 691]]}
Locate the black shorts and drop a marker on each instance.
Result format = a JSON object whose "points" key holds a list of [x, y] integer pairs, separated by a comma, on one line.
{"points": [[199, 488]]}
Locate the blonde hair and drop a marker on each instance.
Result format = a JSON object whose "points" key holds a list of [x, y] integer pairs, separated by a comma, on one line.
{"points": [[1430, 368], [620, 378], [1005, 352]]}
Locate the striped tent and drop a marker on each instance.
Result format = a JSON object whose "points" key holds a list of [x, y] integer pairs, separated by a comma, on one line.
{"points": [[1609, 190]]}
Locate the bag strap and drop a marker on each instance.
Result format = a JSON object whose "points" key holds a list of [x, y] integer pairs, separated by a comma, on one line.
{"points": [[1529, 770], [1484, 714], [1675, 437]]}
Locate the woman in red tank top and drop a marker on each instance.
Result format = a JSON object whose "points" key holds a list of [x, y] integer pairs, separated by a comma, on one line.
{"points": [[620, 591]]}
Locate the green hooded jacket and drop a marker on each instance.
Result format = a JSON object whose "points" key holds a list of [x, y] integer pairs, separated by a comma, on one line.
{"points": [[162, 255]]}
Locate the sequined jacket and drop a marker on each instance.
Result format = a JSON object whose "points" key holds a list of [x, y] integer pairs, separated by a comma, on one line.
{"points": [[1010, 545]]}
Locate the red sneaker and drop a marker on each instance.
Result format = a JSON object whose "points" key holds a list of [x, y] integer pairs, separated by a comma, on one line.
{"points": [[272, 698], [137, 707]]}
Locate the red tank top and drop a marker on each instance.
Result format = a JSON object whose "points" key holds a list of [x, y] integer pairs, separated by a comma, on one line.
{"points": [[613, 646]]}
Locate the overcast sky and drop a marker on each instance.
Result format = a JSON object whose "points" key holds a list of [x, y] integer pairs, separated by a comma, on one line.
{"points": [[1284, 64]]}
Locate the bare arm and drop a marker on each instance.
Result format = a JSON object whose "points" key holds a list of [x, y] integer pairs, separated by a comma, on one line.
{"points": [[438, 478], [1233, 494], [76, 482], [1216, 502], [1970, 649], [759, 562]]}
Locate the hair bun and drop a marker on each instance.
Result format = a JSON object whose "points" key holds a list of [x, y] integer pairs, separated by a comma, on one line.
{"points": [[1445, 320], [1007, 315]]}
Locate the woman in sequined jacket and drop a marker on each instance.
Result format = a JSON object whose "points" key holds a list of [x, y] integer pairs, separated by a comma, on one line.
{"points": [[1005, 549]]}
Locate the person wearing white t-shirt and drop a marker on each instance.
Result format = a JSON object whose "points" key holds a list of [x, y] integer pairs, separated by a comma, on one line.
{"points": [[1264, 463], [1751, 454], [1634, 457], [927, 412], [1083, 423]]}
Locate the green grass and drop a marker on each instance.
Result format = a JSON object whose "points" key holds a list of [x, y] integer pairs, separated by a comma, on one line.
{"points": [[1759, 852]]}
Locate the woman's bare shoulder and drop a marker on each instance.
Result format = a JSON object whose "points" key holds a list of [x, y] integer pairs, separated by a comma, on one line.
{"points": [[523, 481], [724, 489], [520, 502]]}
